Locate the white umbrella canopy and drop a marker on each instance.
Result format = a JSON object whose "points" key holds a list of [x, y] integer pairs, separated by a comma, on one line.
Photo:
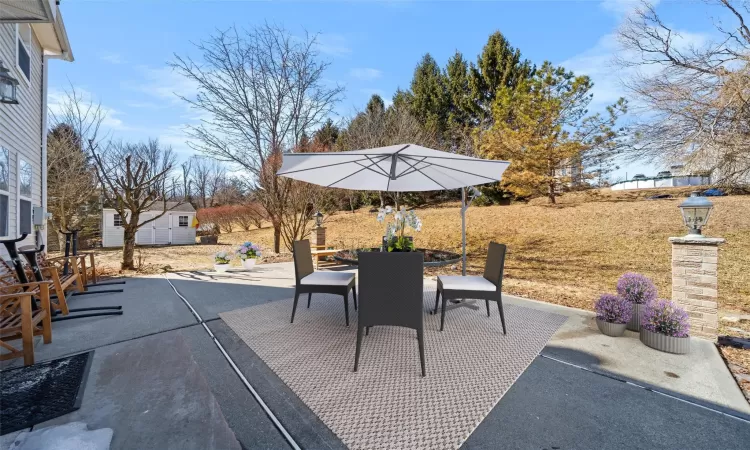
{"points": [[395, 168]]}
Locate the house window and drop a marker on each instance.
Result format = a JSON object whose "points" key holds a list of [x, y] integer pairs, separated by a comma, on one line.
{"points": [[25, 181], [4, 190], [23, 49], [118, 220], [183, 221]]}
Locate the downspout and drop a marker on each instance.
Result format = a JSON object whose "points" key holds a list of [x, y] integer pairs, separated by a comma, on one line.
{"points": [[45, 62]]}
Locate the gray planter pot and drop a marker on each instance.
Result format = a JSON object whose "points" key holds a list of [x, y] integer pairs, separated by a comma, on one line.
{"points": [[611, 329], [635, 321], [664, 343]]}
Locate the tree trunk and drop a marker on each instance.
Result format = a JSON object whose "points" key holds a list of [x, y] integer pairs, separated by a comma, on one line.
{"points": [[276, 238], [551, 193], [128, 249]]}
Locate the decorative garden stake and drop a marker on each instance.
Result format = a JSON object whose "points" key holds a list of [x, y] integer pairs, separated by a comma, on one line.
{"points": [[695, 260], [637, 290], [612, 314]]}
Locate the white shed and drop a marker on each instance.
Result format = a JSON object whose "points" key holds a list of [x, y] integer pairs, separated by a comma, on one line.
{"points": [[173, 228]]}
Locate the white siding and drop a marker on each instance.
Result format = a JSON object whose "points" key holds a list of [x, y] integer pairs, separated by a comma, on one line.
{"points": [[182, 235], [21, 125], [162, 231]]}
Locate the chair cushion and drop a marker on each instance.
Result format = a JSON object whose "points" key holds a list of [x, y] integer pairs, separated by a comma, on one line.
{"points": [[328, 279], [459, 283]]}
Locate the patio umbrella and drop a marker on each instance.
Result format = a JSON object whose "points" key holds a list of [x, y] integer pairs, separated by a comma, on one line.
{"points": [[395, 168]]}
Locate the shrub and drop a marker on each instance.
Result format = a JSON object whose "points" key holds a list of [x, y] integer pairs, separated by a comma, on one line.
{"points": [[636, 288], [665, 317], [613, 309]]}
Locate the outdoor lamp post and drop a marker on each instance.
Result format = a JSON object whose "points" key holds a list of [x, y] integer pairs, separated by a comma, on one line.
{"points": [[695, 211], [318, 219], [8, 87]]}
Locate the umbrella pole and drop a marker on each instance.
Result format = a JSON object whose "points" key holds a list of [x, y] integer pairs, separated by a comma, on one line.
{"points": [[463, 231]]}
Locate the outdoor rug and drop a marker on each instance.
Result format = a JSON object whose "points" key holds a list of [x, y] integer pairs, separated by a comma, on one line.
{"points": [[40, 392], [387, 404]]}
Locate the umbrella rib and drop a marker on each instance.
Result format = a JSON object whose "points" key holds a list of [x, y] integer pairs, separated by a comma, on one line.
{"points": [[360, 170], [409, 171], [454, 169], [324, 165], [430, 178], [378, 165], [369, 167]]}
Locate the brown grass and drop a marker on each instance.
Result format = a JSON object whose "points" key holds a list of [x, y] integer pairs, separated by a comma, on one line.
{"points": [[566, 254]]}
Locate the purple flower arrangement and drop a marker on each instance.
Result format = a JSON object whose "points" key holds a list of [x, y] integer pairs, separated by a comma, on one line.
{"points": [[248, 250], [613, 309], [665, 317], [636, 288]]}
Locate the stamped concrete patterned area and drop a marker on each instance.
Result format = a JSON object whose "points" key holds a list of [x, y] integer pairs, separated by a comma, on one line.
{"points": [[387, 404]]}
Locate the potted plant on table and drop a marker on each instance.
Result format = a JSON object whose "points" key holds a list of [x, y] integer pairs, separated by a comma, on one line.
{"points": [[248, 254], [394, 239], [612, 314], [638, 290], [221, 261], [665, 327]]}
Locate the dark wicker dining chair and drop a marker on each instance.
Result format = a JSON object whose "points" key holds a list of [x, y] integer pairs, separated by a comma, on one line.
{"points": [[488, 287], [308, 281], [390, 291]]}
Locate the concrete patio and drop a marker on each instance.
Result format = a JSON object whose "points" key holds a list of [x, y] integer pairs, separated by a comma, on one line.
{"points": [[159, 380]]}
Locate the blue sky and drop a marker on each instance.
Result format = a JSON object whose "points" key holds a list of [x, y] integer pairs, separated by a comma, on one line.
{"points": [[122, 48]]}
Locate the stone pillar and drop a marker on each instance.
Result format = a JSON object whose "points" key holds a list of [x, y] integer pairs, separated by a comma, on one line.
{"points": [[695, 282], [318, 237]]}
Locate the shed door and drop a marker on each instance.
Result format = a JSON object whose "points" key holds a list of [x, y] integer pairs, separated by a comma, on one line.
{"points": [[112, 235], [145, 234], [161, 230]]}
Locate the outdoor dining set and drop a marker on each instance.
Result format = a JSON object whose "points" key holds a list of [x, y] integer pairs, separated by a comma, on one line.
{"points": [[391, 286]]}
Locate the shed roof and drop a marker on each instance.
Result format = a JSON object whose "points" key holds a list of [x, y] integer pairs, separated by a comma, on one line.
{"points": [[171, 206]]}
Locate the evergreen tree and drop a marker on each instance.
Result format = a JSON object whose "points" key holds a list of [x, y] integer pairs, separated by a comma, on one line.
{"points": [[325, 137], [429, 98], [376, 105]]}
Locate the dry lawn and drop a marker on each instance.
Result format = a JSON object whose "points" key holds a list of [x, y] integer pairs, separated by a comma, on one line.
{"points": [[566, 254]]}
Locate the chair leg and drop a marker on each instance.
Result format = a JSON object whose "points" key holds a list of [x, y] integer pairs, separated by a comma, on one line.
{"points": [[437, 301], [502, 315], [354, 294], [420, 338], [487, 303], [346, 307], [442, 314], [294, 308], [27, 332], [309, 297], [359, 346]]}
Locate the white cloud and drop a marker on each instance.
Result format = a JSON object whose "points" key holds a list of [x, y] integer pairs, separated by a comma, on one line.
{"points": [[112, 58], [56, 99], [162, 83], [365, 73], [623, 7], [333, 44]]}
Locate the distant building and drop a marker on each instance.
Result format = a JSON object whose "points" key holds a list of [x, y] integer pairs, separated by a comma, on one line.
{"points": [[677, 176], [174, 227]]}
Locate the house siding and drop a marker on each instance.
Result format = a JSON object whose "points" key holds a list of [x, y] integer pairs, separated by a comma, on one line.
{"points": [[21, 124]]}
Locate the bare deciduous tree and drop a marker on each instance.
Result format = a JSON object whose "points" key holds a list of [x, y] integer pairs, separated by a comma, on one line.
{"points": [[134, 178], [207, 177], [263, 90], [71, 178], [694, 96]]}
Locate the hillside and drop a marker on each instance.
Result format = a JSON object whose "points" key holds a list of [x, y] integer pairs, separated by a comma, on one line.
{"points": [[565, 254]]}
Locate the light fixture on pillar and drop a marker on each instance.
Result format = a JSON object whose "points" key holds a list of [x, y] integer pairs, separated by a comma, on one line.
{"points": [[318, 219], [8, 87], [695, 211]]}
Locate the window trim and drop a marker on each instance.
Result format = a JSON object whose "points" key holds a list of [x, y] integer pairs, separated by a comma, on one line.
{"points": [[7, 194], [20, 196], [28, 52], [187, 221]]}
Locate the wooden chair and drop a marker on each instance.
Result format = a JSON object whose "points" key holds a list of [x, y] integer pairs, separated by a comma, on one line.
{"points": [[308, 281], [52, 269], [488, 287], [390, 288], [20, 320], [9, 278]]}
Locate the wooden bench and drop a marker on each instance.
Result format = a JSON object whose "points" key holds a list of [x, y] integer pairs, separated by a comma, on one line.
{"points": [[20, 320], [321, 253]]}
